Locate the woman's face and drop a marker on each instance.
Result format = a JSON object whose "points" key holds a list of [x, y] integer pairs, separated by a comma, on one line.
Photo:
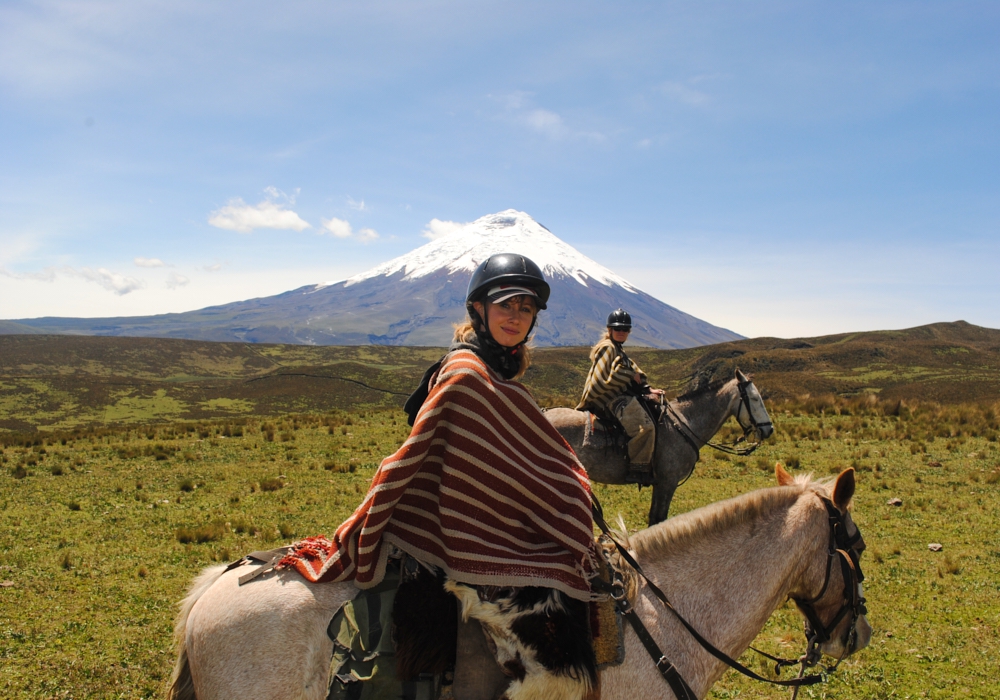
{"points": [[509, 320], [619, 335]]}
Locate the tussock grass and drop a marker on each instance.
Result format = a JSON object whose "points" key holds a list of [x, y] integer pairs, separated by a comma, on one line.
{"points": [[119, 565]]}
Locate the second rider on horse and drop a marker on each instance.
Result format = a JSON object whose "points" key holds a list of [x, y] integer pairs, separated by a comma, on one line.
{"points": [[614, 392]]}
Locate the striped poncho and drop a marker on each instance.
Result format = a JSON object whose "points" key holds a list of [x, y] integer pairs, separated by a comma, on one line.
{"points": [[611, 374], [484, 488]]}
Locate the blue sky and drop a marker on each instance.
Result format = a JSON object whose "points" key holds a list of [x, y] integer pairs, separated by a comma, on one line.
{"points": [[776, 168]]}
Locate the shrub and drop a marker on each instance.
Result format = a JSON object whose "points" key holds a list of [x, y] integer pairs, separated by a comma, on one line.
{"points": [[187, 485], [271, 484], [286, 530], [242, 525], [73, 505], [206, 533]]}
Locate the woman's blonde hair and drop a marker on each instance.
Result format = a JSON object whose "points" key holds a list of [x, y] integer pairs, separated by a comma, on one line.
{"points": [[606, 335], [466, 333]]}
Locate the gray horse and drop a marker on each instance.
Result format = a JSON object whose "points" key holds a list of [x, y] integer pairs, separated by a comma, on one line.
{"points": [[687, 424]]}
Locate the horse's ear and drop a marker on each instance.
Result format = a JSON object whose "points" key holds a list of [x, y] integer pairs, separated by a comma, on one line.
{"points": [[843, 489], [784, 478], [740, 376]]}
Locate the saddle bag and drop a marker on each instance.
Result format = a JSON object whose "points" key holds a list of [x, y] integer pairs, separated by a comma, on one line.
{"points": [[364, 656]]}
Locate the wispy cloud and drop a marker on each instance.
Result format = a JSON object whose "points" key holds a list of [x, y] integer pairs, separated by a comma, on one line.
{"points": [[175, 280], [212, 268], [112, 281], [46, 275], [436, 228], [686, 91], [357, 205], [519, 108], [338, 228], [149, 262], [239, 216]]}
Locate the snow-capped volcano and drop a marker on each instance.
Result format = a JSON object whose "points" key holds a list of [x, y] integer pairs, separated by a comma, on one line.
{"points": [[416, 298], [511, 231]]}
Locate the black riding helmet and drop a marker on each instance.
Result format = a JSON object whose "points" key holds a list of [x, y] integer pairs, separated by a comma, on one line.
{"points": [[507, 269], [620, 320]]}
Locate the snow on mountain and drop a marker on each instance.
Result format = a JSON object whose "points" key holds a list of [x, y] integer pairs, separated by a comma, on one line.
{"points": [[509, 231], [416, 298]]}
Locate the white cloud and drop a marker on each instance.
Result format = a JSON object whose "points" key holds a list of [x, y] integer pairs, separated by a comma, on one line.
{"points": [[684, 93], [46, 275], [112, 281], [149, 262], [437, 228], [244, 218], [518, 109], [212, 268], [357, 205], [175, 280], [337, 228]]}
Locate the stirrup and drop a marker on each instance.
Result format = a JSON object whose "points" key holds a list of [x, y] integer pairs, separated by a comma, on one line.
{"points": [[641, 474]]}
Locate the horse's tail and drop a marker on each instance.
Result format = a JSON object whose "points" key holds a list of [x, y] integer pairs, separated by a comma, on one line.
{"points": [[181, 684]]}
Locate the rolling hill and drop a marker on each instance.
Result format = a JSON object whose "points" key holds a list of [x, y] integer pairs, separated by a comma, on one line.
{"points": [[63, 382]]}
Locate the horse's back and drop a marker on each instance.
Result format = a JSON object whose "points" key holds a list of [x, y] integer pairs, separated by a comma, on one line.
{"points": [[266, 639]]}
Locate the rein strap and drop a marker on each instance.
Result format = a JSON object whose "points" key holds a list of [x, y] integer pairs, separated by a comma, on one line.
{"points": [[654, 651]]}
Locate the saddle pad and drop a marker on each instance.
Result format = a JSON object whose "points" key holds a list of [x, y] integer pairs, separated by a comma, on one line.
{"points": [[606, 626]]}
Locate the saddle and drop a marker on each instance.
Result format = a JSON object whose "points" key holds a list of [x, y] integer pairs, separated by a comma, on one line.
{"points": [[404, 638]]}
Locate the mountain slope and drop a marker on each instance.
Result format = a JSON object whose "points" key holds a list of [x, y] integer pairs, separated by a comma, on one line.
{"points": [[414, 300]]}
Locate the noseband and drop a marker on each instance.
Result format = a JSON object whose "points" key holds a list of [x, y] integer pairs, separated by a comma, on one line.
{"points": [[847, 550], [745, 405]]}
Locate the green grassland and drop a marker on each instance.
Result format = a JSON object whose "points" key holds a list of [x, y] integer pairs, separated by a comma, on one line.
{"points": [[101, 531], [128, 464]]}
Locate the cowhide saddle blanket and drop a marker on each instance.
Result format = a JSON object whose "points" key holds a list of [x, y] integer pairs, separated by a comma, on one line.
{"points": [[496, 642]]}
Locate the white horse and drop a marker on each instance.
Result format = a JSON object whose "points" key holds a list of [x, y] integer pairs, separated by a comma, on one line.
{"points": [[691, 421], [726, 568]]}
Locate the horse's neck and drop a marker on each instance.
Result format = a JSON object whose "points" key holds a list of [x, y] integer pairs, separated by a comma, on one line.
{"points": [[728, 584], [706, 413]]}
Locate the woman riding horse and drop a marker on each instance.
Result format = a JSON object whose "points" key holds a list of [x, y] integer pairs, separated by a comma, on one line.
{"points": [[614, 390], [486, 491]]}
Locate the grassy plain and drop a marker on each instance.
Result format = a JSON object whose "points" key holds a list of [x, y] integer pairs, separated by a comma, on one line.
{"points": [[102, 529]]}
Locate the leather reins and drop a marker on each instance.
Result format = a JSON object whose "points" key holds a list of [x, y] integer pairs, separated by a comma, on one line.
{"points": [[841, 545], [669, 413]]}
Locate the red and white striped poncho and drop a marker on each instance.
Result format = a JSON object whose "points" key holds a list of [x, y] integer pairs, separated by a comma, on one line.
{"points": [[484, 488]]}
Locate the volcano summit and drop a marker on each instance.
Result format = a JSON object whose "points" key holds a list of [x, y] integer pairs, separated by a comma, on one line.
{"points": [[414, 300]]}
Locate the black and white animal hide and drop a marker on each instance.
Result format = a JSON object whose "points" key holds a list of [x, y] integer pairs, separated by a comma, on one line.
{"points": [[539, 636]]}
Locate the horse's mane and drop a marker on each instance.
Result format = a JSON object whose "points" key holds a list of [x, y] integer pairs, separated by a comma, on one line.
{"points": [[677, 532], [707, 388]]}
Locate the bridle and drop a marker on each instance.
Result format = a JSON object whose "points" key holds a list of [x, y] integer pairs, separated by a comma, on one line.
{"points": [[847, 548], [751, 425]]}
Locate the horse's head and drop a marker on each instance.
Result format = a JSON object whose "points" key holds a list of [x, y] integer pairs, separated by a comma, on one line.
{"points": [[751, 413], [832, 600]]}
